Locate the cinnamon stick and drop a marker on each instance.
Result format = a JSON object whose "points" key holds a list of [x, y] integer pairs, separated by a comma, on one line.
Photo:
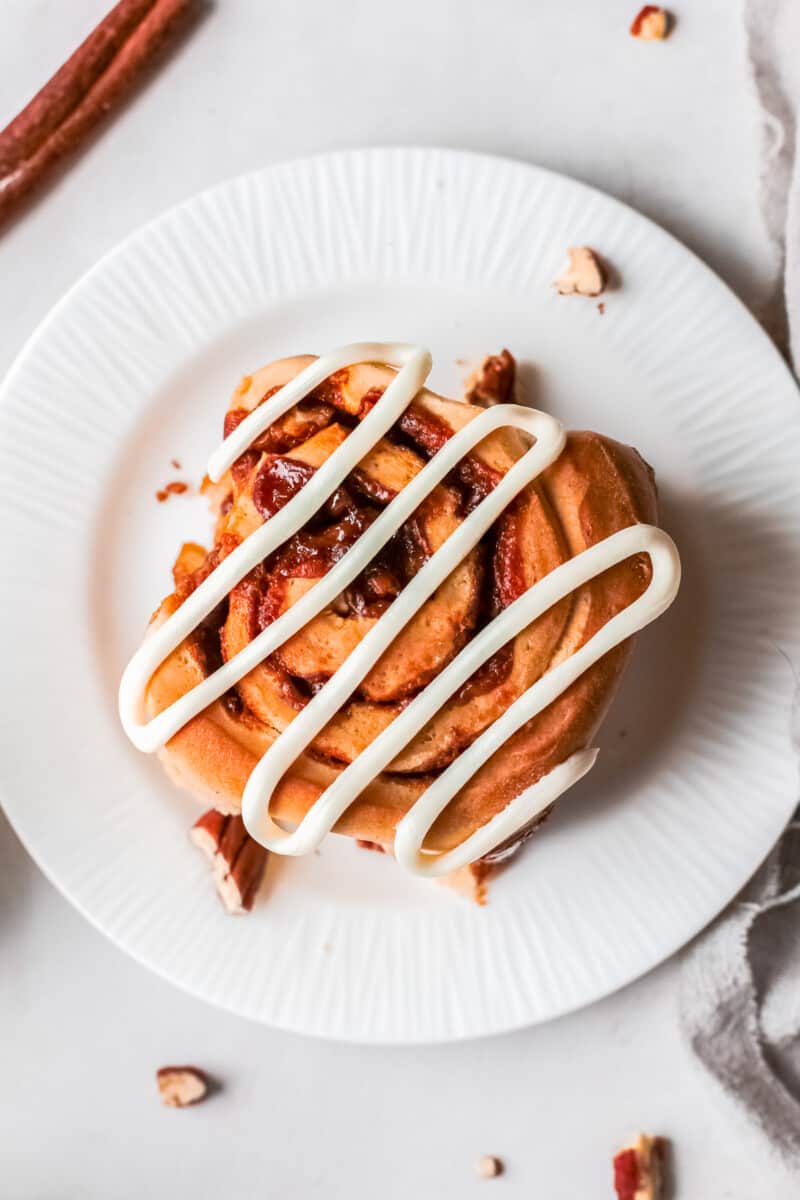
{"points": [[95, 79]]}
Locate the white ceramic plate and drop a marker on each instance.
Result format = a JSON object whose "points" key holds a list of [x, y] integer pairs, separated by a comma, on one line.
{"points": [[134, 367]]}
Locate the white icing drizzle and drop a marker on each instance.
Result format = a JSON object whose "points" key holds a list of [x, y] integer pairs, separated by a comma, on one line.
{"points": [[414, 365]]}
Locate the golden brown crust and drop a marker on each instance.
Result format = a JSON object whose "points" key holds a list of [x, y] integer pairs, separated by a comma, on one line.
{"points": [[595, 488]]}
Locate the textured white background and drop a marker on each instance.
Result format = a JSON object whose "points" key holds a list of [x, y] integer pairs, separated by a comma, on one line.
{"points": [[669, 129]]}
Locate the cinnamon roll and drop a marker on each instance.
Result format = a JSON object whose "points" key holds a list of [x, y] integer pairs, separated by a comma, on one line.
{"points": [[592, 489]]}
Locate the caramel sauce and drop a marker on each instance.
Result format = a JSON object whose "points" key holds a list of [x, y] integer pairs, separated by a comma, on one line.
{"points": [[374, 589], [508, 580], [369, 400], [476, 480], [277, 482], [232, 703], [340, 503], [243, 468], [494, 671], [311, 552], [473, 478]]}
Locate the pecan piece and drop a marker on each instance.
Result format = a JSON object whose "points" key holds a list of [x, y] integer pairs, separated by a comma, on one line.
{"points": [[237, 861], [639, 1169], [181, 1086], [489, 1166], [493, 381], [652, 24], [585, 274]]}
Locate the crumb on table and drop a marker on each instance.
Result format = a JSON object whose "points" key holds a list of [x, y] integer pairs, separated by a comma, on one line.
{"points": [[176, 488]]}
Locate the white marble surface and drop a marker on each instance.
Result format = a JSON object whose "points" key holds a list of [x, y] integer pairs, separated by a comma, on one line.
{"points": [[670, 129]]}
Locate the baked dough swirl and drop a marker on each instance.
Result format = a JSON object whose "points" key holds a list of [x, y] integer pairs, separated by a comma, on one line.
{"points": [[595, 488]]}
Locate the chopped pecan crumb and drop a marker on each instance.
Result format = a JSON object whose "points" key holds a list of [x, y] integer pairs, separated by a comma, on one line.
{"points": [[493, 381], [652, 24], [489, 1167], [585, 274], [175, 488], [181, 1086]]}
